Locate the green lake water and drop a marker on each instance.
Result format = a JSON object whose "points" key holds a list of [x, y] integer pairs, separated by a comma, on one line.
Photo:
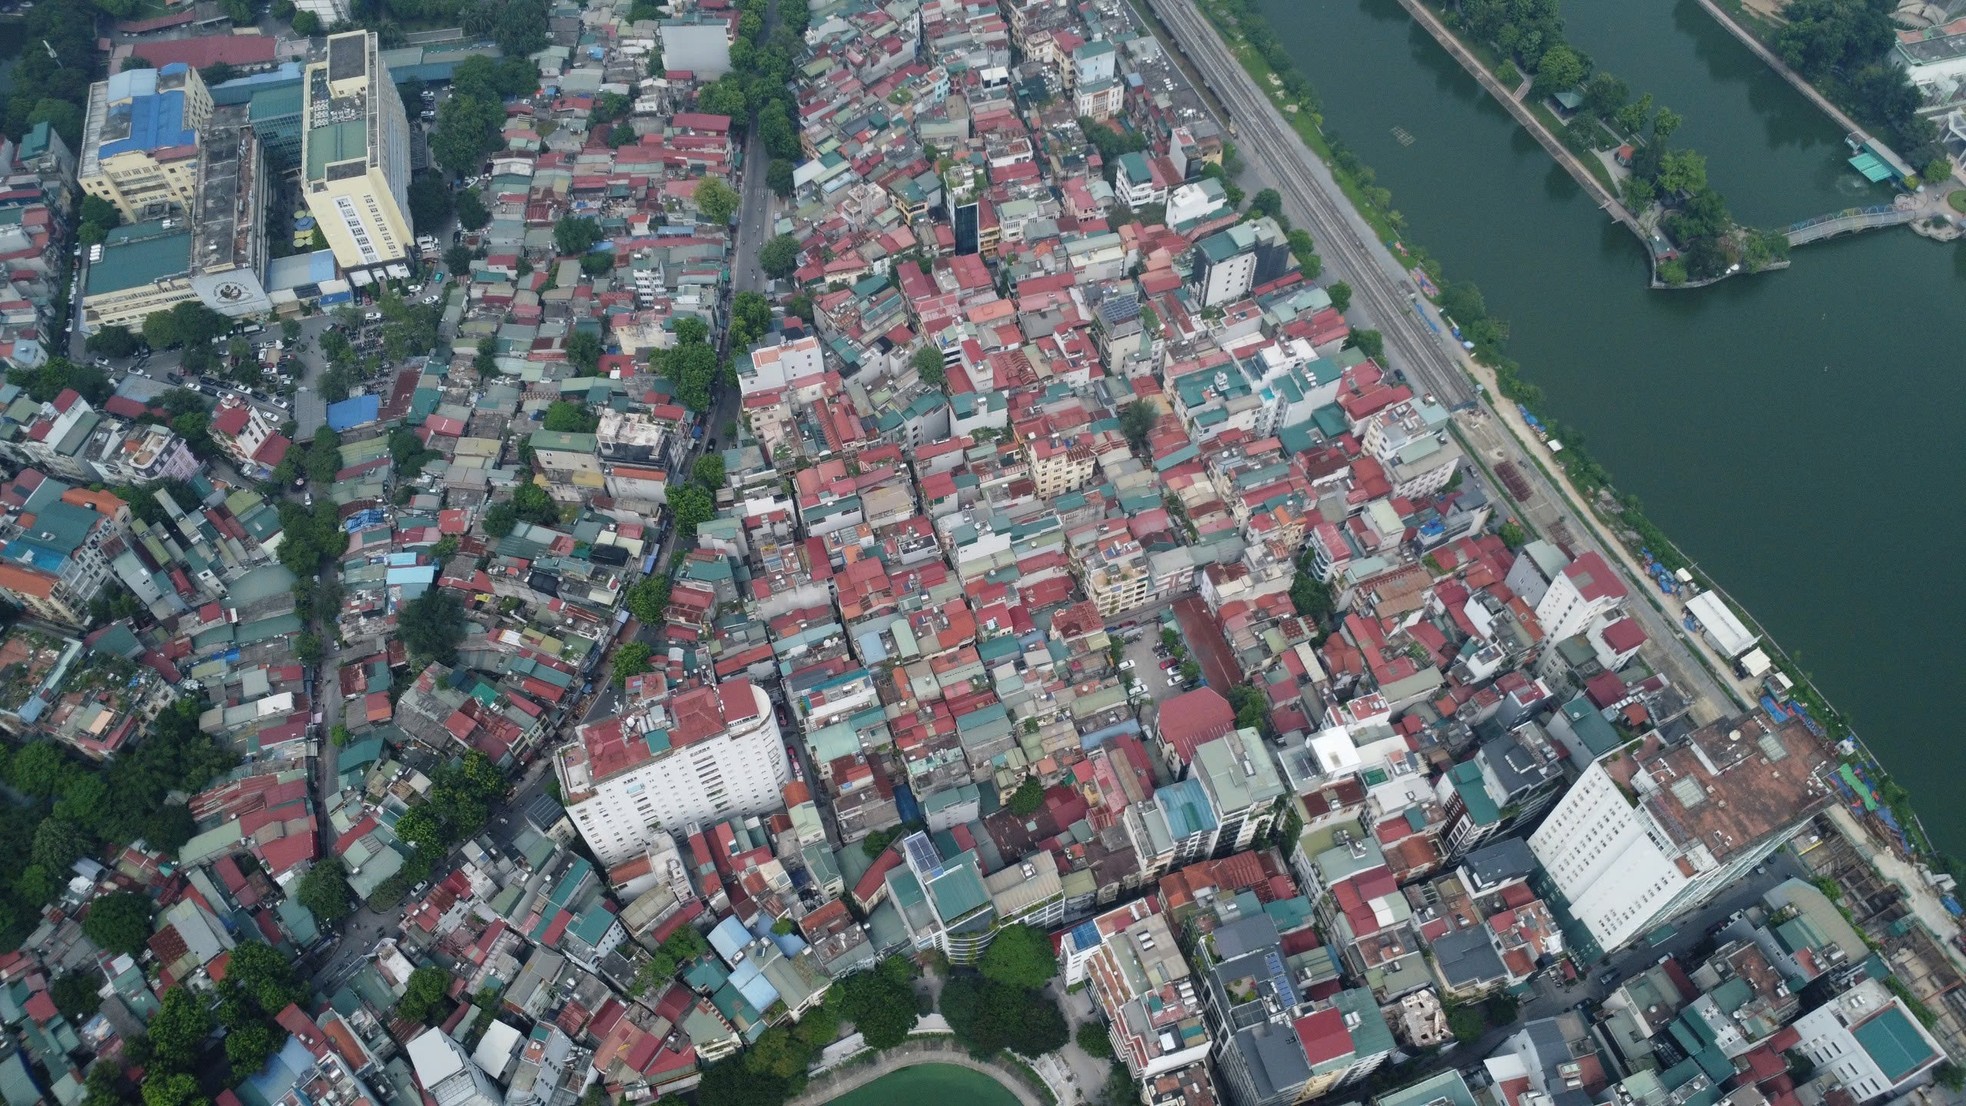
{"points": [[930, 1085], [1797, 432]]}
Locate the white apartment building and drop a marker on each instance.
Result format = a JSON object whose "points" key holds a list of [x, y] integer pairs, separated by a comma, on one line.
{"points": [[1585, 589], [1640, 838], [706, 754], [776, 365], [1144, 988], [1240, 778], [448, 1074]]}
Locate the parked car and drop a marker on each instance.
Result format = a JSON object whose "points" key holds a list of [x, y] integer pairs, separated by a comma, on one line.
{"points": [[1127, 665]]}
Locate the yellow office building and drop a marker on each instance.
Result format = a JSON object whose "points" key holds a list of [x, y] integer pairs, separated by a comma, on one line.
{"points": [[140, 140], [355, 159]]}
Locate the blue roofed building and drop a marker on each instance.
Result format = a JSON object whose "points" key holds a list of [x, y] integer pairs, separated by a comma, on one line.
{"points": [[140, 140]]}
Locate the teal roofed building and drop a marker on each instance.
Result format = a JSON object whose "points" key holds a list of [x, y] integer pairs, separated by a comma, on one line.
{"points": [[943, 904], [1869, 1040]]}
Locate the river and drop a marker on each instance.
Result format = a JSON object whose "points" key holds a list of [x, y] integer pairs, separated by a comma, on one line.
{"points": [[1797, 433]]}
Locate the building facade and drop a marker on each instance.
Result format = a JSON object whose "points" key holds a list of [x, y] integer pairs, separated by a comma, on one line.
{"points": [[355, 159], [706, 754], [140, 140]]}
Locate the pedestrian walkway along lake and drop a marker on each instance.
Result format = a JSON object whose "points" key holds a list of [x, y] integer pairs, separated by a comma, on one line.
{"points": [[1797, 433]]}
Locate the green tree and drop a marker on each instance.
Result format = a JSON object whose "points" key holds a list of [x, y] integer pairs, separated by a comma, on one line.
{"points": [[1137, 420], [928, 362], [535, 504], [467, 132], [779, 256], [566, 417], [430, 201], [1604, 94], [501, 518], [1252, 707], [1341, 295], [113, 341], [425, 994], [1632, 117], [725, 96], [259, 973], [169, 827], [691, 506], [690, 330], [986, 1016], [179, 1028], [1027, 798], [77, 994], [1019, 956], [249, 1045], [59, 843], [1512, 534], [648, 600], [630, 659], [432, 625], [575, 234], [39, 769], [324, 891], [1369, 342], [1682, 172], [709, 471], [1664, 124], [583, 348], [881, 1007], [1095, 1041], [779, 177], [471, 212], [716, 200], [1267, 203], [1560, 69], [172, 1089]]}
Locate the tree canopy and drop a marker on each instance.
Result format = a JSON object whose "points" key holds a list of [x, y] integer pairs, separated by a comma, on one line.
{"points": [[1137, 421], [880, 1006], [432, 625], [1019, 956], [779, 256], [424, 995], [575, 234], [691, 506], [987, 1016], [324, 891], [119, 922], [716, 200]]}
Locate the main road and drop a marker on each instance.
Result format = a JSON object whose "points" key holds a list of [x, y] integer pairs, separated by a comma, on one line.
{"points": [[1417, 339]]}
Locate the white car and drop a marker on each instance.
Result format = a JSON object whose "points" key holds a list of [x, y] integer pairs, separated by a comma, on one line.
{"points": [[373, 316], [1126, 665]]}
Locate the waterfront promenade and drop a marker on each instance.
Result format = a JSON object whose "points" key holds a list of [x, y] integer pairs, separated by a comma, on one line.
{"points": [[1414, 333], [854, 1075]]}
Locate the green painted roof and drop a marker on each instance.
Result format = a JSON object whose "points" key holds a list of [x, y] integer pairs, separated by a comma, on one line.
{"points": [[1474, 796], [1894, 1044], [347, 141], [138, 255]]}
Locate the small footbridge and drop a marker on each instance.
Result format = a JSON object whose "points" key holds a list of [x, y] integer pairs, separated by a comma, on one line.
{"points": [[1849, 221]]}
